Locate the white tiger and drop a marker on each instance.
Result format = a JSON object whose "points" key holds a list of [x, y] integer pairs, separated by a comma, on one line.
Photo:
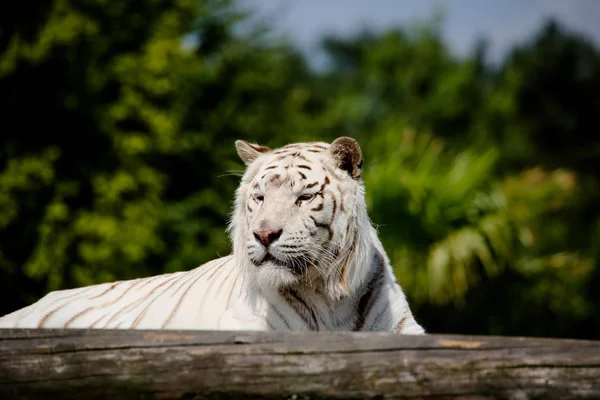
{"points": [[305, 258]]}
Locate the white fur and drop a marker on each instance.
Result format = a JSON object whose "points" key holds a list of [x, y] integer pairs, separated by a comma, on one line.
{"points": [[244, 292]]}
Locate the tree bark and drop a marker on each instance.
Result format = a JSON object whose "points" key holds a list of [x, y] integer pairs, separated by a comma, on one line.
{"points": [[121, 364]]}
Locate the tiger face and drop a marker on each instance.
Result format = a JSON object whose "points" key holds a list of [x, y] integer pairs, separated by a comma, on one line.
{"points": [[295, 209]]}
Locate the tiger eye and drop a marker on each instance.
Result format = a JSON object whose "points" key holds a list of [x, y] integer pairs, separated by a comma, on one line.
{"points": [[306, 197]]}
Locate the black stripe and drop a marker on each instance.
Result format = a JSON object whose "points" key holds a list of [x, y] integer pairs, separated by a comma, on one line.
{"points": [[334, 208], [122, 309], [189, 276], [323, 226], [289, 246], [270, 325], [400, 325], [216, 268], [127, 289], [310, 232], [324, 183], [133, 285], [380, 315], [70, 296], [280, 315], [176, 307], [106, 291], [79, 314], [342, 208], [78, 292], [347, 259], [230, 293], [295, 301], [139, 318], [317, 208], [98, 320], [372, 289], [349, 227], [223, 280], [144, 298]]}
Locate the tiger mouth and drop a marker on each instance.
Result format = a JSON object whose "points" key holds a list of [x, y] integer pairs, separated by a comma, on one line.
{"points": [[297, 265], [269, 258]]}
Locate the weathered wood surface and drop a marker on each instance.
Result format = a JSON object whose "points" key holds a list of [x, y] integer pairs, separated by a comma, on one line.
{"points": [[91, 364]]}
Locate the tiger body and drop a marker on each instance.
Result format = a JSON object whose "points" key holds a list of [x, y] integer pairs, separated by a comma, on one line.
{"points": [[305, 258], [183, 300]]}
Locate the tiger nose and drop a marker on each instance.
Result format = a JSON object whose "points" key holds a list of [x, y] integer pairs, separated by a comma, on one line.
{"points": [[268, 236]]}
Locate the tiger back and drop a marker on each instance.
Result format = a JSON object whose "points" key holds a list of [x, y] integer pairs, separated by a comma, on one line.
{"points": [[180, 300]]}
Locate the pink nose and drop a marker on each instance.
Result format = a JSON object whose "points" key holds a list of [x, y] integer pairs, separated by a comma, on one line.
{"points": [[267, 237]]}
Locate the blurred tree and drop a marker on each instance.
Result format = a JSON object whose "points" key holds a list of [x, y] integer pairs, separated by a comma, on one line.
{"points": [[408, 73], [122, 119], [542, 116], [87, 95], [545, 103]]}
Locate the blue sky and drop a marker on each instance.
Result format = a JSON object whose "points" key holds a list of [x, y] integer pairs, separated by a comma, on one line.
{"points": [[502, 22]]}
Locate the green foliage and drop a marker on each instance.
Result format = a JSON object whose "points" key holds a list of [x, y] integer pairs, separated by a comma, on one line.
{"points": [[448, 212], [117, 158]]}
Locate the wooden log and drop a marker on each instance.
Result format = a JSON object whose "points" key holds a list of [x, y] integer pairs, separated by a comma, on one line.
{"points": [[119, 364]]}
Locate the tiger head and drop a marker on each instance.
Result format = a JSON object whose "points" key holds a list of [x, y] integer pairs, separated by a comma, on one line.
{"points": [[300, 217]]}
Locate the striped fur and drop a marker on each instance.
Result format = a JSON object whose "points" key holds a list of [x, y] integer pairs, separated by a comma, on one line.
{"points": [[305, 257]]}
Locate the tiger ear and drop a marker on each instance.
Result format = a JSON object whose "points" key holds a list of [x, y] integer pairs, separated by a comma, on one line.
{"points": [[348, 156], [249, 152]]}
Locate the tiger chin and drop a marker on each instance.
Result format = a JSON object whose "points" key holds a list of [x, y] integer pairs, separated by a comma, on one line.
{"points": [[305, 258]]}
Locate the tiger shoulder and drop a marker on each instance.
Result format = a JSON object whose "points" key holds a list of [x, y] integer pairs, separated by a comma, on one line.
{"points": [[305, 258]]}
